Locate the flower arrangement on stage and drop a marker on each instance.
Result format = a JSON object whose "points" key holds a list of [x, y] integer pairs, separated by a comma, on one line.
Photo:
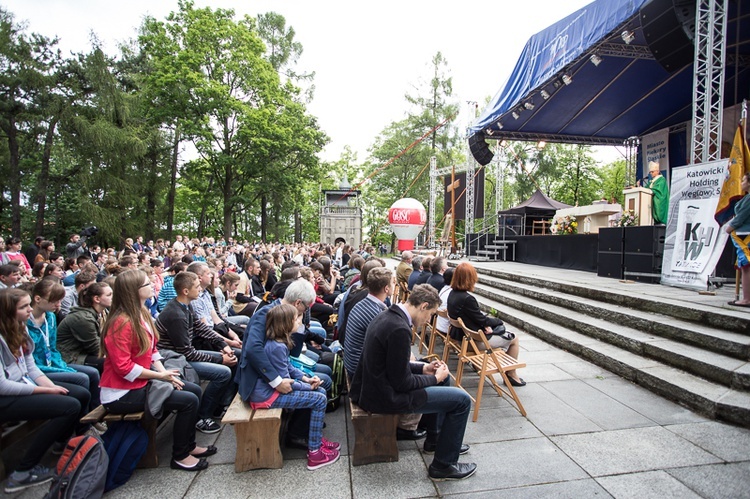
{"points": [[564, 226], [627, 219]]}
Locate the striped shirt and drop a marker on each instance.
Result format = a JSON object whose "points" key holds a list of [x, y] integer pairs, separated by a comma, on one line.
{"points": [[356, 325]]}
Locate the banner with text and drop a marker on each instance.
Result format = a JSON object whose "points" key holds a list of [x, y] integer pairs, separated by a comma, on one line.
{"points": [[655, 147], [694, 241]]}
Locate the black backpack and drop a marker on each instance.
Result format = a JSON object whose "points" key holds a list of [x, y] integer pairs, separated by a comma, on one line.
{"points": [[338, 386], [81, 470], [125, 442]]}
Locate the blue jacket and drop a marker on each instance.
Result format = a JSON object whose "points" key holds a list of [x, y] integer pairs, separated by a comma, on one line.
{"points": [[278, 354], [46, 355], [254, 362]]}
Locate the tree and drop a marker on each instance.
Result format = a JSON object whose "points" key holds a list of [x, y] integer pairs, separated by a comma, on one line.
{"points": [[613, 180], [220, 88], [26, 64]]}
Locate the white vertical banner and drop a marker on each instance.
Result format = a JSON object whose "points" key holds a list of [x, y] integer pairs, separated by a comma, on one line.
{"points": [[694, 241], [655, 147]]}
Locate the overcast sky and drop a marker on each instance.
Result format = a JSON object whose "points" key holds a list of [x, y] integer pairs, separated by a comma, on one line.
{"points": [[366, 55]]}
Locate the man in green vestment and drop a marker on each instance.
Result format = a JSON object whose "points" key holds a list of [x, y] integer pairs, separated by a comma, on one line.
{"points": [[660, 189]]}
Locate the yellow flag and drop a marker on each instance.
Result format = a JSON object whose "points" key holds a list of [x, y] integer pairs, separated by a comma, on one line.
{"points": [[731, 192]]}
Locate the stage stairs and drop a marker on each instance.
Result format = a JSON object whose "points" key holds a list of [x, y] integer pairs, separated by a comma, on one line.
{"points": [[695, 356], [491, 251]]}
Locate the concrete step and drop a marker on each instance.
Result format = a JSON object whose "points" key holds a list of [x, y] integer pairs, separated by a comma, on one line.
{"points": [[712, 366], [725, 320], [712, 399], [710, 338]]}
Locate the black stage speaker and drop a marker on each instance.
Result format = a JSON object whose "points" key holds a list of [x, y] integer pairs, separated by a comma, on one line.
{"points": [[610, 239], [609, 264], [646, 239], [645, 264], [669, 28], [479, 149]]}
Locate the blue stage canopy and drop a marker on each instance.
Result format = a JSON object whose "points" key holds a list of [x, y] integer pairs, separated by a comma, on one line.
{"points": [[578, 81]]}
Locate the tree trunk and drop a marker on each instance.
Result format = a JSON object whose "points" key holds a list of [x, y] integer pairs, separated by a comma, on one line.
{"points": [[15, 178], [43, 181], [151, 196], [173, 183], [204, 208], [263, 216]]}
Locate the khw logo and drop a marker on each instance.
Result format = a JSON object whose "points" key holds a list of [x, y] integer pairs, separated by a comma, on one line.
{"points": [[697, 238]]}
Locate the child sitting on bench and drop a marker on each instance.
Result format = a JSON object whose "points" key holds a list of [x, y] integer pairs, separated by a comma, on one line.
{"points": [[306, 393]]}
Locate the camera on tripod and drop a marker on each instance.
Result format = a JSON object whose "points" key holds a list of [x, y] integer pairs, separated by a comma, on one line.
{"points": [[89, 231]]}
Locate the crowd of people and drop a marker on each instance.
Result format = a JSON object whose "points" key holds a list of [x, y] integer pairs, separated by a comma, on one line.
{"points": [[99, 325]]}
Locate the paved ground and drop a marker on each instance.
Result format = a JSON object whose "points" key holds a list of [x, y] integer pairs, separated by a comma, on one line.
{"points": [[588, 433]]}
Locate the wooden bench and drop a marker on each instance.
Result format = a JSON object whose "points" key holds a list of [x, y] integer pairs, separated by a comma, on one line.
{"points": [[374, 436], [257, 432], [150, 459], [13, 433]]}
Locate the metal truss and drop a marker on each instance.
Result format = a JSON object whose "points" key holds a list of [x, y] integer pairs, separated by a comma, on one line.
{"points": [[708, 79], [631, 160]]}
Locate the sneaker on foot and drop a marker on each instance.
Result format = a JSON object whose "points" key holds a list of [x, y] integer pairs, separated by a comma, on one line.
{"points": [[330, 445], [207, 425], [35, 476], [321, 457], [58, 448], [101, 427]]}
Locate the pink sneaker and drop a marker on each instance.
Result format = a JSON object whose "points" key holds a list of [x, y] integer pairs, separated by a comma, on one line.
{"points": [[321, 457], [330, 445]]}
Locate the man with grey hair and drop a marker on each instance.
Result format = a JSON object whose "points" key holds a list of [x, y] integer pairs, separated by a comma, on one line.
{"points": [[404, 270], [254, 363]]}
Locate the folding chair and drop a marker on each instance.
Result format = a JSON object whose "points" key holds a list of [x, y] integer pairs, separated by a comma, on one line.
{"points": [[449, 343], [434, 331], [486, 362], [403, 293]]}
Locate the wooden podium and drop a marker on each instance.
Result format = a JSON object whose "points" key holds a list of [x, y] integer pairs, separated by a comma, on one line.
{"points": [[638, 200]]}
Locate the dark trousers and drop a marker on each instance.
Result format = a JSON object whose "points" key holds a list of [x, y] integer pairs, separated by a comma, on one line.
{"points": [[62, 413], [185, 402]]}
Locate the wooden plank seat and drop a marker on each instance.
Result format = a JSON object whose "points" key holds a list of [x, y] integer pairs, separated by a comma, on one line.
{"points": [[486, 362], [12, 433], [374, 435], [258, 436], [100, 414]]}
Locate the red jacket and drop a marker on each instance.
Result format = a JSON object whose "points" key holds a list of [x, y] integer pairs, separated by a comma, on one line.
{"points": [[123, 357]]}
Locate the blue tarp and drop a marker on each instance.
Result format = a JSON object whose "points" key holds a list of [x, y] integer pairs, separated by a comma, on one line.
{"points": [[627, 94]]}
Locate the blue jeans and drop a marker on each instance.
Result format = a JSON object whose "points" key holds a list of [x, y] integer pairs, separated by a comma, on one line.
{"points": [[62, 413], [451, 405], [85, 376], [219, 379]]}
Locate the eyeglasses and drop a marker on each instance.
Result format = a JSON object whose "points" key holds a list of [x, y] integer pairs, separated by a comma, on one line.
{"points": [[144, 285]]}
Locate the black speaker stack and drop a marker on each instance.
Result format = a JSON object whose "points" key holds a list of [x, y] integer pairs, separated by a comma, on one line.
{"points": [[631, 249], [480, 150], [669, 28]]}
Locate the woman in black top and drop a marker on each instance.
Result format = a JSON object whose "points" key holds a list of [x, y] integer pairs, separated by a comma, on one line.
{"points": [[464, 305]]}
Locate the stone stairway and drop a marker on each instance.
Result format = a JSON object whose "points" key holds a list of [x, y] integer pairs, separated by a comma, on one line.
{"points": [[696, 356]]}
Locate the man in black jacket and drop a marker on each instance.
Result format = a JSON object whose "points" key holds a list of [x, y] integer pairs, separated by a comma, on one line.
{"points": [[178, 329], [438, 266], [387, 382]]}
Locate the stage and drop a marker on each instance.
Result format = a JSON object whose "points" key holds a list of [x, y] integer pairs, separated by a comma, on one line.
{"points": [[613, 252]]}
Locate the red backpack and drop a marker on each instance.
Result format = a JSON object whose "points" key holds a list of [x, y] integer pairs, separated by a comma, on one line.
{"points": [[81, 470]]}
